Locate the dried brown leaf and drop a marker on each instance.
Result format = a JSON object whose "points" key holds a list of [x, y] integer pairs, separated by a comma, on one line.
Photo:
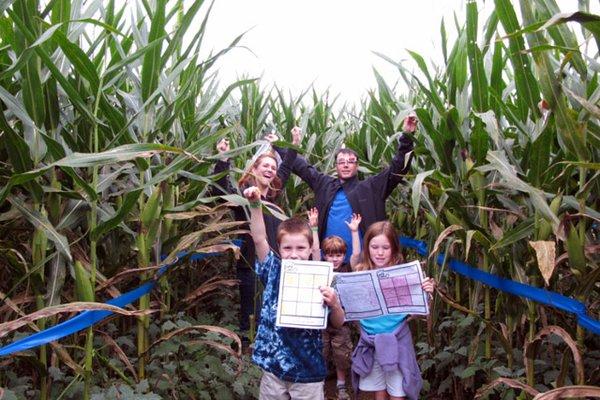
{"points": [[569, 391], [505, 381], [8, 327], [497, 232], [445, 233], [209, 286], [516, 213], [16, 301], [530, 347], [119, 352], [122, 275], [225, 348], [545, 252], [58, 349], [210, 328]]}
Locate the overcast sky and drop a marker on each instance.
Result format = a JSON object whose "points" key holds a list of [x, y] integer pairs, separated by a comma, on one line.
{"points": [[330, 43]]}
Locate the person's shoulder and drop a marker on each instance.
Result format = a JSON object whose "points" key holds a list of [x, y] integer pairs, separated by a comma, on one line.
{"points": [[271, 260]]}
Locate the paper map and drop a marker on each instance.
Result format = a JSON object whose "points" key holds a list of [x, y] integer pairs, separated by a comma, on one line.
{"points": [[300, 303], [391, 290]]}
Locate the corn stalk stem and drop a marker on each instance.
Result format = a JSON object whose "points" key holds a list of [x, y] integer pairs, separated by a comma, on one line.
{"points": [[580, 333], [143, 321], [89, 341], [483, 217]]}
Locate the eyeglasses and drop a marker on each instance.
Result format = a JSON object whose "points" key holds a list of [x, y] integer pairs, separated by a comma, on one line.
{"points": [[348, 162]]}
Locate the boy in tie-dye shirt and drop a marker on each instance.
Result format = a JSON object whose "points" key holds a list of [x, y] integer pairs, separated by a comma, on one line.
{"points": [[291, 358]]}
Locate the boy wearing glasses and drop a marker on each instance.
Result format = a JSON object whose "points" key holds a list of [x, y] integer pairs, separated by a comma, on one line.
{"points": [[337, 198]]}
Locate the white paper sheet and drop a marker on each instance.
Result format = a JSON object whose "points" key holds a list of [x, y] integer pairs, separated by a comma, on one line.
{"points": [[300, 303], [391, 290]]}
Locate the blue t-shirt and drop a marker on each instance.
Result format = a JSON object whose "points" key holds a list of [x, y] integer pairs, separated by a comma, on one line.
{"points": [[293, 355], [382, 324], [340, 212]]}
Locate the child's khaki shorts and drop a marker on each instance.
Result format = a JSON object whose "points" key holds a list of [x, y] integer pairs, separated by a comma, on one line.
{"points": [[273, 388]]}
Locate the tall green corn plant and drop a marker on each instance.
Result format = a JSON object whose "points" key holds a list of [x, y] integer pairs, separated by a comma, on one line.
{"points": [[571, 132], [102, 70]]}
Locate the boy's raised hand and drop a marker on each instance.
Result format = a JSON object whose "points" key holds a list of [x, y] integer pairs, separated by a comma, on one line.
{"points": [[252, 194], [354, 222], [313, 217]]}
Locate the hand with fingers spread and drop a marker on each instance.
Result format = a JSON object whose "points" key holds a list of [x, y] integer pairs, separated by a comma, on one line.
{"points": [[313, 221], [313, 217], [353, 225], [296, 136], [354, 222], [409, 125]]}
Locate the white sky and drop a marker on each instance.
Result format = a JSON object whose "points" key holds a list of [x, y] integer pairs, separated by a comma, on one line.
{"points": [[330, 43]]}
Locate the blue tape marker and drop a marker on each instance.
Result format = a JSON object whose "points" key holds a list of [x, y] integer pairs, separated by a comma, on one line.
{"points": [[516, 288], [88, 318], [79, 322]]}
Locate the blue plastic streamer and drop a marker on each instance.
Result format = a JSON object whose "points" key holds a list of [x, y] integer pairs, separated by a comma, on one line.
{"points": [[88, 318], [538, 295]]}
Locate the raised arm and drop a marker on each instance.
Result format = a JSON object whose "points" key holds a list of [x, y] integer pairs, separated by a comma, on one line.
{"points": [[289, 156], [257, 223], [313, 221], [391, 177], [223, 184], [353, 226], [308, 173]]}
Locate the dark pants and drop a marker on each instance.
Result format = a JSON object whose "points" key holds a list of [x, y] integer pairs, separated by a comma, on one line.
{"points": [[250, 297]]}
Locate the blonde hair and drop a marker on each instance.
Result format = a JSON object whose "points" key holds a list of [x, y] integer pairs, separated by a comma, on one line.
{"points": [[248, 178], [379, 228], [334, 244], [292, 226]]}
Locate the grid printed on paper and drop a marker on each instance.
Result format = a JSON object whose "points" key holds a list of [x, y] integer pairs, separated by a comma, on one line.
{"points": [[401, 291], [301, 296]]}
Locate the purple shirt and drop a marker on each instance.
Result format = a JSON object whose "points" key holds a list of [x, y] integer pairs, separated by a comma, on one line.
{"points": [[392, 351]]}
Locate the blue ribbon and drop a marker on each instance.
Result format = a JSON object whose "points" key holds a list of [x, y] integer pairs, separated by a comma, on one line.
{"points": [[538, 295], [88, 318]]}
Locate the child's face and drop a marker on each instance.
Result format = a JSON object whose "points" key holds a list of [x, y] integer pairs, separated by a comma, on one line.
{"points": [[294, 246], [336, 258], [380, 251]]}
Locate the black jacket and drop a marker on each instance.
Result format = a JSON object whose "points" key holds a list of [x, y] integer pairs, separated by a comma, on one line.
{"points": [[367, 197], [247, 250]]}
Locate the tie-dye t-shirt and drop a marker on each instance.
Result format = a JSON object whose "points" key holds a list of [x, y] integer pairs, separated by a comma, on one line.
{"points": [[292, 355]]}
